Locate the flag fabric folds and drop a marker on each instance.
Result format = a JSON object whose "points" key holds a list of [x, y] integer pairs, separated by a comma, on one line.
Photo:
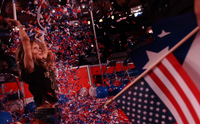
{"points": [[166, 94]]}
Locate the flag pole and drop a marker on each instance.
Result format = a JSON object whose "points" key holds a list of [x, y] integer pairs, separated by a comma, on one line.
{"points": [[151, 67], [14, 9], [97, 47]]}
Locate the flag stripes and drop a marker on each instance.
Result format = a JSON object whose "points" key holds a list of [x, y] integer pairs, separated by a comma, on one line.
{"points": [[184, 96], [187, 86], [168, 81], [165, 100]]}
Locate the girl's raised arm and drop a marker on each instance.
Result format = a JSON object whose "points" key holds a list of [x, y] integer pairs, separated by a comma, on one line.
{"points": [[28, 59]]}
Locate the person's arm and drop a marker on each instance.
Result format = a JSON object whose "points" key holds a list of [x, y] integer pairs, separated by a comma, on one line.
{"points": [[42, 43], [28, 59], [50, 59], [197, 11], [43, 46]]}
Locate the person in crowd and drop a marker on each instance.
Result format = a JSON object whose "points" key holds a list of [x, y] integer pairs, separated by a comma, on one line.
{"points": [[105, 54], [116, 42], [150, 38], [35, 63], [123, 39]]}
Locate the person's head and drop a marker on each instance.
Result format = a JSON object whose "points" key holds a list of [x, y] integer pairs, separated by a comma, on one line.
{"points": [[36, 51], [36, 54]]}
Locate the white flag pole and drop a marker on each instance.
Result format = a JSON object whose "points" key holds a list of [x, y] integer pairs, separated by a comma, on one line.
{"points": [[14, 9], [97, 47], [151, 67], [15, 17]]}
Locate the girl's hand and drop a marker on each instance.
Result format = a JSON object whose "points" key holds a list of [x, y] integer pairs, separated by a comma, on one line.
{"points": [[12, 22]]}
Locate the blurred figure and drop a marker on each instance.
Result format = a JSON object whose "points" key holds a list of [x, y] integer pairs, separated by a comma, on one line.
{"points": [[116, 42], [150, 38], [123, 39]]}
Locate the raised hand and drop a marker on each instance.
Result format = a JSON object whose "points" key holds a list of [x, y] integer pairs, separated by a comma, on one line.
{"points": [[12, 22]]}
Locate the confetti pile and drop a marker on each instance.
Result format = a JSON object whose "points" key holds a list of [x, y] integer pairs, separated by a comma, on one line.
{"points": [[90, 110]]}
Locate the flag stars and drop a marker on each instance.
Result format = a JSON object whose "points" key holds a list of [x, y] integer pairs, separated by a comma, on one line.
{"points": [[170, 118], [140, 105], [152, 102], [157, 115], [142, 83], [158, 103], [162, 122], [164, 110], [163, 116], [150, 113], [153, 57], [139, 100], [156, 121], [128, 113]]}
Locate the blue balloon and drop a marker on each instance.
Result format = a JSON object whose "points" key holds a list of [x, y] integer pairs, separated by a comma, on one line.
{"points": [[126, 81], [113, 90], [107, 86], [102, 92], [121, 87], [30, 107], [5, 117]]}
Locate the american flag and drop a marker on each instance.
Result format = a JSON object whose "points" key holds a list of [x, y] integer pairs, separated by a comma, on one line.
{"points": [[165, 95]]}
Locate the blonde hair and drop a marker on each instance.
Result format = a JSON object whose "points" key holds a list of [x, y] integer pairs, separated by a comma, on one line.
{"points": [[19, 57]]}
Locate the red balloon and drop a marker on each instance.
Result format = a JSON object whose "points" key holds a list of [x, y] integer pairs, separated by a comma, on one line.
{"points": [[104, 85], [117, 83], [97, 84]]}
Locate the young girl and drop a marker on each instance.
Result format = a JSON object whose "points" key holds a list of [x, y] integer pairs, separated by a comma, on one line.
{"points": [[35, 63]]}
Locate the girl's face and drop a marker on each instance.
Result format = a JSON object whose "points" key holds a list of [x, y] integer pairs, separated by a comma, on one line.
{"points": [[36, 51]]}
